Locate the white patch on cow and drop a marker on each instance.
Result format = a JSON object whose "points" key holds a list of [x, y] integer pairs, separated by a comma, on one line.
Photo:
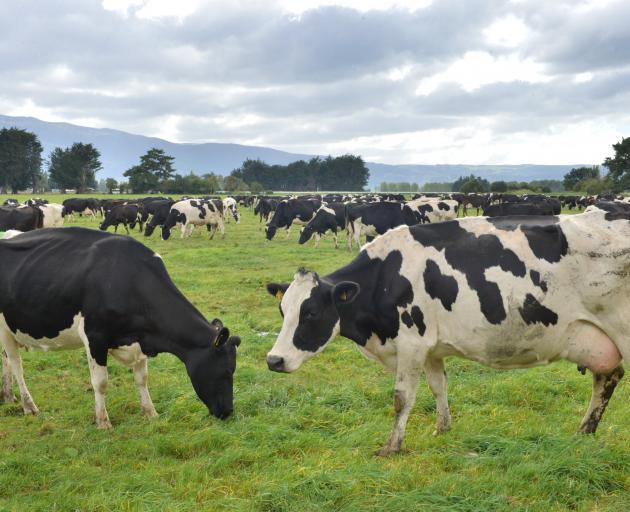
{"points": [[156, 255], [67, 339], [11, 233], [299, 290], [53, 217]]}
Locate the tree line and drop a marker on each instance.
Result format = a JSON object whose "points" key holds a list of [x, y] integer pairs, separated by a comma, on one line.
{"points": [[75, 167]]}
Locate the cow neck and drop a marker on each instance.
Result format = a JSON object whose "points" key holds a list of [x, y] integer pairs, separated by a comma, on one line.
{"points": [[361, 319]]}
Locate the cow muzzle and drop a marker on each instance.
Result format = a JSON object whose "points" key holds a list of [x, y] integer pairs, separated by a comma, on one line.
{"points": [[276, 363]]}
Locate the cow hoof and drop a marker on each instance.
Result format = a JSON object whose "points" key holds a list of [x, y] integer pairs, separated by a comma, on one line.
{"points": [[103, 425], [9, 398], [386, 451], [31, 409], [150, 413]]}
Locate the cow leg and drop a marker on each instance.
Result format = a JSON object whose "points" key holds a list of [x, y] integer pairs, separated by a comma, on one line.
{"points": [[410, 361], [98, 377], [603, 388], [7, 381], [221, 229], [437, 381], [335, 239], [126, 227], [212, 230], [15, 363], [133, 358]]}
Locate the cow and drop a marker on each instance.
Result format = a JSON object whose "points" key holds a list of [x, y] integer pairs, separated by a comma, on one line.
{"points": [[434, 210], [23, 218], [53, 215], [193, 212], [330, 216], [229, 208], [76, 287], [289, 212], [158, 211], [265, 207], [488, 290], [11, 202], [81, 206], [125, 214], [522, 208], [373, 219]]}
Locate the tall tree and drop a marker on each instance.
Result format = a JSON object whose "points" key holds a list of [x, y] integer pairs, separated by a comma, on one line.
{"points": [[159, 163], [578, 174], [75, 167], [20, 159], [619, 165], [141, 179]]}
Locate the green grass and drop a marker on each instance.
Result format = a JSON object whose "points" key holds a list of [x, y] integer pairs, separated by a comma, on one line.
{"points": [[303, 441]]}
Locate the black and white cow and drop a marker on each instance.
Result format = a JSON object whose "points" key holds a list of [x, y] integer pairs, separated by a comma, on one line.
{"points": [[22, 218], [330, 216], [434, 210], [373, 219], [264, 207], [81, 206], [289, 212], [521, 208], [53, 215], [74, 287], [11, 202], [229, 208], [125, 214], [158, 211], [194, 212], [495, 291]]}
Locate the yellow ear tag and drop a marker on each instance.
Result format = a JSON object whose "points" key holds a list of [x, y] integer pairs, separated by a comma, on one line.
{"points": [[344, 296], [279, 295]]}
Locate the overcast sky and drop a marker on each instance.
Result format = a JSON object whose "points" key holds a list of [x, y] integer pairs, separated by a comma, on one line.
{"points": [[442, 81]]}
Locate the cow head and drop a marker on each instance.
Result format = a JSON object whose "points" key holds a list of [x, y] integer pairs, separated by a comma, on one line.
{"points": [[105, 224], [211, 371], [174, 216], [270, 231], [309, 307], [306, 233]]}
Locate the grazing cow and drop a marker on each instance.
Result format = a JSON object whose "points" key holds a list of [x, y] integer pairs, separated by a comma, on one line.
{"points": [[194, 212], [159, 212], [523, 208], [229, 208], [289, 212], [23, 218], [11, 202], [53, 215], [331, 216], [265, 207], [434, 210], [74, 287], [373, 219], [493, 291], [81, 206], [125, 214]]}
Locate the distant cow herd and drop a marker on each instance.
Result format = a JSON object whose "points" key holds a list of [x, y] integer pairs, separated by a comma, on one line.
{"points": [[431, 283]]}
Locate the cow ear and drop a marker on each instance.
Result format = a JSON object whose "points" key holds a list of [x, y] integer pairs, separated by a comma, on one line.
{"points": [[345, 292], [217, 323], [222, 337], [277, 290]]}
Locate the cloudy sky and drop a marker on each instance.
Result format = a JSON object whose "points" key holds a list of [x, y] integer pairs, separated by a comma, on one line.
{"points": [[442, 81]]}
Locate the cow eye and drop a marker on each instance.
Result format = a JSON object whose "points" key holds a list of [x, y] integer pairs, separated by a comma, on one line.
{"points": [[311, 314]]}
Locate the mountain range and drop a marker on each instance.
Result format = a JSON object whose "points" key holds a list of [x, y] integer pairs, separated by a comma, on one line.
{"points": [[121, 150]]}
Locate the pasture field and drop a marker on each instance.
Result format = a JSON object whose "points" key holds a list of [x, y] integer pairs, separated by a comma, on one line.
{"points": [[304, 441]]}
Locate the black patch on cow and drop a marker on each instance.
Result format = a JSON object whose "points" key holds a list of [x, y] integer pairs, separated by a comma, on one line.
{"points": [[439, 286], [418, 319], [200, 207], [406, 318], [473, 255], [535, 277], [544, 236], [383, 291], [443, 206], [534, 312]]}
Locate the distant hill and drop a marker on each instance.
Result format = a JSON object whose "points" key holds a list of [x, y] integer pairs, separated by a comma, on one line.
{"points": [[120, 150]]}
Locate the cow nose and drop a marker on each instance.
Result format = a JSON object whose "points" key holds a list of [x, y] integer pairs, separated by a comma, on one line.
{"points": [[275, 363]]}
